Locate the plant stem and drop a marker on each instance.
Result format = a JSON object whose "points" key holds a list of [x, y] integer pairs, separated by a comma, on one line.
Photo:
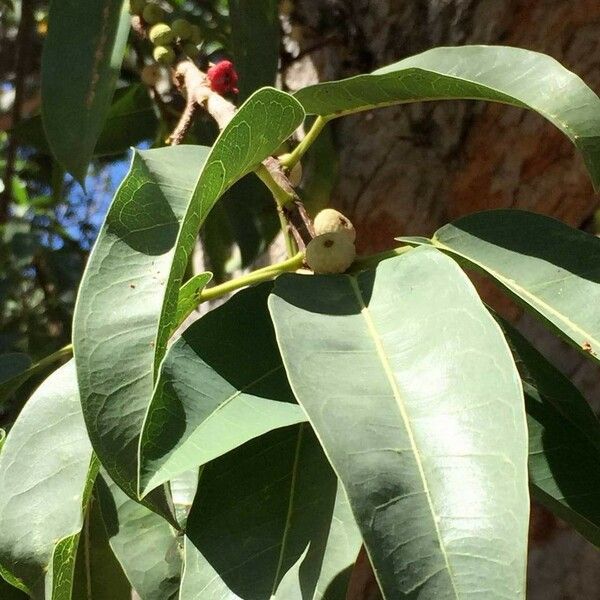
{"points": [[289, 160], [257, 276], [290, 246], [281, 196], [65, 352]]}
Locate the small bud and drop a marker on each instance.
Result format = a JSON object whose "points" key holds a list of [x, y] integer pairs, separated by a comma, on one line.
{"points": [[136, 7], [223, 77], [150, 74], [153, 14], [196, 36], [190, 49], [330, 253], [295, 175], [164, 55], [332, 220], [182, 29], [161, 34]]}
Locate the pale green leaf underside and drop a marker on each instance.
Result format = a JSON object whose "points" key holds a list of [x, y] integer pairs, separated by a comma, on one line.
{"points": [[44, 475], [413, 393], [221, 384], [552, 269], [127, 302], [257, 512], [142, 541], [496, 73]]}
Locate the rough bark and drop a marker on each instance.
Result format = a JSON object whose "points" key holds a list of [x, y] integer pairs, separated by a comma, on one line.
{"points": [[411, 168]]}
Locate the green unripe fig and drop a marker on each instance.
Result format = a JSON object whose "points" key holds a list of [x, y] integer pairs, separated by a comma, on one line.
{"points": [[330, 253], [182, 28], [153, 14], [136, 7], [196, 35], [164, 55], [329, 220], [190, 49], [161, 34]]}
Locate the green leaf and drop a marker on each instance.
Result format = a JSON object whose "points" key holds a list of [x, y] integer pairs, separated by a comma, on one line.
{"points": [[496, 73], [143, 542], [564, 440], [255, 41], [130, 120], [139, 258], [46, 470], [80, 65], [221, 384], [257, 511], [14, 368], [189, 295], [552, 269], [416, 400], [98, 574]]}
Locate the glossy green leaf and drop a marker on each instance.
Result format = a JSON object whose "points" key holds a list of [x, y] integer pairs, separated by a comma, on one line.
{"points": [[552, 269], [98, 574], [80, 65], [496, 73], [564, 441], [255, 43], [130, 120], [221, 384], [189, 295], [411, 388], [257, 511], [127, 303], [46, 470], [143, 542]]}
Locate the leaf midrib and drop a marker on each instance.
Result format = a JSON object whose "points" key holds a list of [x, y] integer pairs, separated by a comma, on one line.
{"points": [[389, 373], [288, 517]]}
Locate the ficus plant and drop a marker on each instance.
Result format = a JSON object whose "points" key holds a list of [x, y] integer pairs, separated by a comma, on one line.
{"points": [[333, 405]]}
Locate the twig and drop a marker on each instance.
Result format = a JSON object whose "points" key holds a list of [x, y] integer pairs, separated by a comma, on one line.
{"points": [[184, 124]]}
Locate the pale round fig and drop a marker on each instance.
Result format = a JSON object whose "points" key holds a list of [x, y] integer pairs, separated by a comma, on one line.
{"points": [[329, 220], [161, 34], [331, 252]]}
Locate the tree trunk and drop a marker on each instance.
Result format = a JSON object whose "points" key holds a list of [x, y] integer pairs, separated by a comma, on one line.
{"points": [[411, 168]]}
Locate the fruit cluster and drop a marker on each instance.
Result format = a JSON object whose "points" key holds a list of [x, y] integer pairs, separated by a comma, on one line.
{"points": [[179, 34], [332, 249]]}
